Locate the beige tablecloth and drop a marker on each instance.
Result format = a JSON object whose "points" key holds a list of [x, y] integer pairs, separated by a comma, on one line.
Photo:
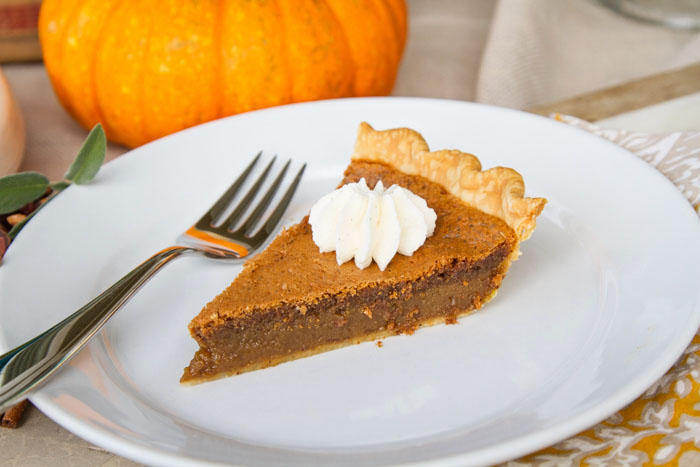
{"points": [[515, 53]]}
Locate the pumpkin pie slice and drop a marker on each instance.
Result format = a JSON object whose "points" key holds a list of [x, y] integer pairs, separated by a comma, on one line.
{"points": [[291, 301]]}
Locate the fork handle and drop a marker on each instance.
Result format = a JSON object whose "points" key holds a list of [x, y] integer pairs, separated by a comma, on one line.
{"points": [[25, 367]]}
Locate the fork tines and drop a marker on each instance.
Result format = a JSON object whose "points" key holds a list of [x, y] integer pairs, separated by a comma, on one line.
{"points": [[210, 220]]}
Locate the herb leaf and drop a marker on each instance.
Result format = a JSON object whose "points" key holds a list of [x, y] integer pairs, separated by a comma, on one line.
{"points": [[16, 190], [89, 158]]}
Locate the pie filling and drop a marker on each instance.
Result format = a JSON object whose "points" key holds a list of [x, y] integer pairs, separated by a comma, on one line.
{"points": [[291, 301], [268, 337]]}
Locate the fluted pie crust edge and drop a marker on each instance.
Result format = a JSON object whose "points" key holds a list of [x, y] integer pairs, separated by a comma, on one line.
{"points": [[499, 191]]}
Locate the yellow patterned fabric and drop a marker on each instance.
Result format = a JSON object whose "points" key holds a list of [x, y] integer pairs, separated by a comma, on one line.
{"points": [[661, 427]]}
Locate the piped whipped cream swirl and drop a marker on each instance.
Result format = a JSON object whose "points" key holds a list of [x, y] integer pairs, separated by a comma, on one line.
{"points": [[366, 224]]}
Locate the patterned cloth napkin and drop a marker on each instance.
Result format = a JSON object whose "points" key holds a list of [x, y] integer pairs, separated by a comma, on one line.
{"points": [[661, 427]]}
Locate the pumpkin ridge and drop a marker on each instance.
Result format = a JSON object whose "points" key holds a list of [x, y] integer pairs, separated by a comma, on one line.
{"points": [[385, 11], [285, 55], [399, 12], [395, 28], [93, 71], [341, 26], [145, 137], [67, 103], [50, 47], [217, 43]]}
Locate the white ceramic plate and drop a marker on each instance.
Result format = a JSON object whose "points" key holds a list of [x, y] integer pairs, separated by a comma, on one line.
{"points": [[601, 303]]}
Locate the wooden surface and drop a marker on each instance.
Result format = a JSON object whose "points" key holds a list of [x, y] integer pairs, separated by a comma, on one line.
{"points": [[628, 96]]}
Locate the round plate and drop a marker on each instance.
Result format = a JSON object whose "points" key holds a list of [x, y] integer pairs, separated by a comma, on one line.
{"points": [[602, 301]]}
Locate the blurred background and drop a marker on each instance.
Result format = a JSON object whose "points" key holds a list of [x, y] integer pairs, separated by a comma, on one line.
{"points": [[512, 53]]}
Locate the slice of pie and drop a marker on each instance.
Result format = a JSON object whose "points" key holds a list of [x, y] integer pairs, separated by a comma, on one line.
{"points": [[291, 301]]}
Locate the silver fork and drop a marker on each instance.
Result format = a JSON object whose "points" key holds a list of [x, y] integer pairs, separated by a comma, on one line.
{"points": [[25, 367]]}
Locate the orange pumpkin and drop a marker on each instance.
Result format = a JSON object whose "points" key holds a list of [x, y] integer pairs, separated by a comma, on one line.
{"points": [[147, 68]]}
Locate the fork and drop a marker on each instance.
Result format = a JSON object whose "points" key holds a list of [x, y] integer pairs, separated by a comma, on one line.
{"points": [[27, 366]]}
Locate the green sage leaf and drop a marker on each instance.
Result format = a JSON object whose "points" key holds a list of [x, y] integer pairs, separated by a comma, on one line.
{"points": [[89, 158], [16, 190]]}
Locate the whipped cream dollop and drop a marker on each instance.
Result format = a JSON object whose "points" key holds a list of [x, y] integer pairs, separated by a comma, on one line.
{"points": [[366, 224]]}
